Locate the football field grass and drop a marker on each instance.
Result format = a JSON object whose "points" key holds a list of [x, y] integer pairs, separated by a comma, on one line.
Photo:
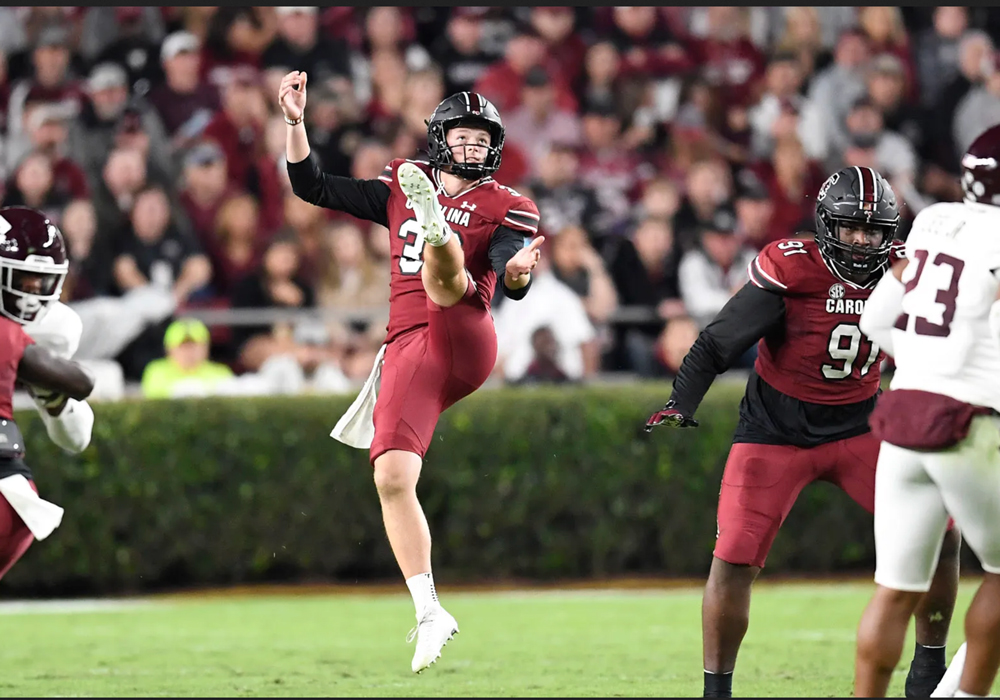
{"points": [[644, 642]]}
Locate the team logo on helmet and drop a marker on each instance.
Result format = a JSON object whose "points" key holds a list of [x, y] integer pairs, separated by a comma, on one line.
{"points": [[837, 291], [830, 182]]}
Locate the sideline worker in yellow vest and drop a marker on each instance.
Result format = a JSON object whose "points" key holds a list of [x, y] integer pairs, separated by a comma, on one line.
{"points": [[186, 370]]}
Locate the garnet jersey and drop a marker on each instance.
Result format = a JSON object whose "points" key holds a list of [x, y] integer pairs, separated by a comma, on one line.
{"points": [[816, 375], [821, 356], [474, 216], [490, 220], [942, 342]]}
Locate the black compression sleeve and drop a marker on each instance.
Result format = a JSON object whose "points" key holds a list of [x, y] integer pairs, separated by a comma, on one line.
{"points": [[503, 246], [746, 318], [365, 199]]}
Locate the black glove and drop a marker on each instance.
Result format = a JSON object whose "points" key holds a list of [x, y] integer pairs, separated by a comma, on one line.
{"points": [[670, 416]]}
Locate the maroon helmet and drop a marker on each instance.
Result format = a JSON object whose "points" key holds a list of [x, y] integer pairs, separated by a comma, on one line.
{"points": [[33, 263], [981, 168]]}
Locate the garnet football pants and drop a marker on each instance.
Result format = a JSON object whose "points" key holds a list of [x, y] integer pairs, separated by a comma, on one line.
{"points": [[915, 491], [427, 370], [15, 537], [761, 482]]}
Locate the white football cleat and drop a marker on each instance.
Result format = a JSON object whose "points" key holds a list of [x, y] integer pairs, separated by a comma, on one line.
{"points": [[433, 631], [419, 191], [948, 685]]}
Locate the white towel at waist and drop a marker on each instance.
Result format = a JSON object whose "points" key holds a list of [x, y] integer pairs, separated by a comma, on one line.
{"points": [[39, 515], [356, 427]]}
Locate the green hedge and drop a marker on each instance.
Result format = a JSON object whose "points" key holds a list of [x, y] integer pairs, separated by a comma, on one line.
{"points": [[519, 483]]}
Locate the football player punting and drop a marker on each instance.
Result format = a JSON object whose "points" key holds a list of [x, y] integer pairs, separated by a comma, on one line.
{"points": [[454, 233], [804, 416], [938, 316]]}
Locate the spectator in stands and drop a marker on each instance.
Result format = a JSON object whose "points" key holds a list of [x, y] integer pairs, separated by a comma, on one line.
{"points": [[238, 127], [48, 134], [886, 33], [646, 42], [544, 367], [184, 101], [353, 281], [802, 37], [887, 92], [389, 28], [616, 173], [336, 127], [299, 45], [129, 37], [557, 307], [644, 269], [458, 49], [204, 186], [564, 46], [754, 211], [936, 52], [782, 111], [502, 83], [834, 90], [107, 114], [601, 68], [186, 370], [306, 224], [677, 339], [708, 188], [155, 250], [124, 174], [33, 185], [792, 179], [538, 122], [710, 274], [975, 54], [563, 199], [51, 80], [576, 264], [276, 283], [978, 110], [236, 244], [728, 57], [90, 257]]}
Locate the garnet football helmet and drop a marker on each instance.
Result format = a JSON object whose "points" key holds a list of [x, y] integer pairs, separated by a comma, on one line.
{"points": [[464, 109], [33, 263], [855, 197], [981, 168]]}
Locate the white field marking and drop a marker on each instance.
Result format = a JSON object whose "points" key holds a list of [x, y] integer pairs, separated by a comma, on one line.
{"points": [[83, 605]]}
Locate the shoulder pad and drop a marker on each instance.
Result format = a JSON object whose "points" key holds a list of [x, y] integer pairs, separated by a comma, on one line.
{"points": [[521, 213], [781, 265], [59, 330]]}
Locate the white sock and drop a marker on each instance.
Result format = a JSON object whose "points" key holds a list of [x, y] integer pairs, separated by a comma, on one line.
{"points": [[963, 694], [444, 239], [422, 589]]}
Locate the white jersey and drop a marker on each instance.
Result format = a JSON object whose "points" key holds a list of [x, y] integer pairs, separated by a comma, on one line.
{"points": [[942, 342]]}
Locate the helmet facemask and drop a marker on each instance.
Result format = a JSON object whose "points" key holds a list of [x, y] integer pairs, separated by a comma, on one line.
{"points": [[18, 301], [442, 156], [850, 259]]}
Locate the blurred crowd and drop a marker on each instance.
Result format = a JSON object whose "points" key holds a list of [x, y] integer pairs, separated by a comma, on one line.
{"points": [[663, 146]]}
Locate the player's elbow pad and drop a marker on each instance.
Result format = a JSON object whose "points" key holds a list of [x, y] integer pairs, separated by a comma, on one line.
{"points": [[71, 430]]}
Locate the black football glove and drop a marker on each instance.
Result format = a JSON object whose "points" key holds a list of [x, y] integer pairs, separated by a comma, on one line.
{"points": [[670, 416]]}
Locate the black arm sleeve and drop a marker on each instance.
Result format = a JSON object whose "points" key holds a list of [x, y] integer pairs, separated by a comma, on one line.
{"points": [[364, 199], [503, 246], [746, 318]]}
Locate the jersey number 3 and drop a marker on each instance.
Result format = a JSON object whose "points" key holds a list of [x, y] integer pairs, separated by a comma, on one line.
{"points": [[412, 257], [945, 297]]}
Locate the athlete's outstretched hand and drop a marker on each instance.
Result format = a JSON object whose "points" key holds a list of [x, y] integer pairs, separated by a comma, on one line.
{"points": [[670, 416], [292, 94], [524, 260]]}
